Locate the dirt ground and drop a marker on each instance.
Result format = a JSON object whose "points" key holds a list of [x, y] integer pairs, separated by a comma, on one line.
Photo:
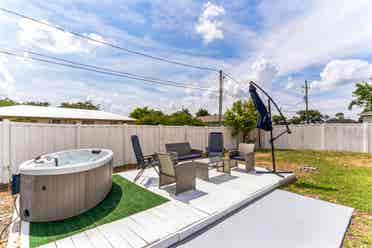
{"points": [[6, 203]]}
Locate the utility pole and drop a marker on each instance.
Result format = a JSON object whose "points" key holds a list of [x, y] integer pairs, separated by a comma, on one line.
{"points": [[220, 98], [307, 101]]}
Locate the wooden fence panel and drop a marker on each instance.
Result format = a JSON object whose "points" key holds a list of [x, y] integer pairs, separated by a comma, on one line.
{"points": [[103, 136], [344, 137], [29, 140]]}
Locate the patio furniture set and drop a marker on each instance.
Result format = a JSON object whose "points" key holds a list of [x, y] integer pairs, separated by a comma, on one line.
{"points": [[181, 164]]}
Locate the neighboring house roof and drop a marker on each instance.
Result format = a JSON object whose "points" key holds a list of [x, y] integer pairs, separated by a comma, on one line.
{"points": [[209, 118], [28, 111], [334, 120], [366, 113]]}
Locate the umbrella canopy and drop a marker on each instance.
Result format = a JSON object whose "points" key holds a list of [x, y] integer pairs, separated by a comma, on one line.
{"points": [[264, 120]]}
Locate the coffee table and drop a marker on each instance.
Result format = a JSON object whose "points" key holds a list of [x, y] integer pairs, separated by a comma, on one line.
{"points": [[203, 165]]}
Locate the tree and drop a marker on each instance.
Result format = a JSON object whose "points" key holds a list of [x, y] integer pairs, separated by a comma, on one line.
{"points": [[80, 105], [314, 116], [362, 97], [241, 118], [202, 112], [148, 116], [44, 104], [7, 102], [340, 116], [277, 119]]}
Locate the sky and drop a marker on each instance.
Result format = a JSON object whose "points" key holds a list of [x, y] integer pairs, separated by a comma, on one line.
{"points": [[277, 43]]}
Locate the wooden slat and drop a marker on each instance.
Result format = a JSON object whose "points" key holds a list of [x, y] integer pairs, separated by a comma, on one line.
{"points": [[65, 243], [96, 238], [81, 240]]}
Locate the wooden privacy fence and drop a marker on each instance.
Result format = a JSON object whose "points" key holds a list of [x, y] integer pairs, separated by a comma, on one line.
{"points": [[331, 137], [23, 141]]}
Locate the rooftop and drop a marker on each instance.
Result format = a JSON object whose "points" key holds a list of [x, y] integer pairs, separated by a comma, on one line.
{"points": [[28, 111], [209, 118]]}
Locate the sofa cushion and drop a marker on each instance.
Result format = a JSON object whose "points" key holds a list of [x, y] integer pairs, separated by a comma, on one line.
{"points": [[189, 156], [237, 157], [181, 148]]}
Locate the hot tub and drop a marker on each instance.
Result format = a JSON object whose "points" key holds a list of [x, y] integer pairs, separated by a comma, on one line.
{"points": [[60, 185]]}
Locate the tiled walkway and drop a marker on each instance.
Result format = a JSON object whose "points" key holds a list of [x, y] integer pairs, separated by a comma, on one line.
{"points": [[175, 220]]}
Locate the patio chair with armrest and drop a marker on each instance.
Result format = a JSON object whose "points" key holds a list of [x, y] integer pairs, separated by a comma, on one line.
{"points": [[245, 153], [184, 151], [215, 145], [181, 173], [142, 161]]}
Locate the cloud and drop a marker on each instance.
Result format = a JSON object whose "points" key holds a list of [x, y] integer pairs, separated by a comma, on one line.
{"points": [[296, 37], [7, 83], [53, 40], [261, 71], [208, 24], [342, 72]]}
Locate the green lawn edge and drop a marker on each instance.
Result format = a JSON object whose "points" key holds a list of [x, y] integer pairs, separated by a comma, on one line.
{"points": [[125, 199]]}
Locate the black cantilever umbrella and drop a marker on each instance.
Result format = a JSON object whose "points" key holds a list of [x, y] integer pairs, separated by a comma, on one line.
{"points": [[264, 121]]}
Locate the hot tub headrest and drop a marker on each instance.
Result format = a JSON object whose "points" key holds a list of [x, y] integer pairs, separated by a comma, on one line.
{"points": [[96, 151]]}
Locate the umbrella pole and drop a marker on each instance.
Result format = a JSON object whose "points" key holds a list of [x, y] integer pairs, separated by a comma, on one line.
{"points": [[272, 139]]}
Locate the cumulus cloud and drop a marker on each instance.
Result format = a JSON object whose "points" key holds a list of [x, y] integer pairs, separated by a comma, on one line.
{"points": [[209, 25], [53, 40], [341, 72], [261, 71], [301, 35]]}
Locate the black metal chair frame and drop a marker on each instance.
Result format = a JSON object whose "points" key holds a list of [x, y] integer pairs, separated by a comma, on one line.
{"points": [[144, 161]]}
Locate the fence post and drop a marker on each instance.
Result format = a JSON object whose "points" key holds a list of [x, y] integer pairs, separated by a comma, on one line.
{"points": [[5, 151], [365, 137], [322, 137], [185, 132], [77, 136], [125, 137], [160, 138]]}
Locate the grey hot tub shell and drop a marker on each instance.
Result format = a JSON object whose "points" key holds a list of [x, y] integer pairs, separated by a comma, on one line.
{"points": [[57, 197]]}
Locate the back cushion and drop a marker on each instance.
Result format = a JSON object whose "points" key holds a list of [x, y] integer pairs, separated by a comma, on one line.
{"points": [[181, 148], [246, 148]]}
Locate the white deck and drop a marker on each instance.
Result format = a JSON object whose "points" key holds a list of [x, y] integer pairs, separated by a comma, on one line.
{"points": [[182, 216]]}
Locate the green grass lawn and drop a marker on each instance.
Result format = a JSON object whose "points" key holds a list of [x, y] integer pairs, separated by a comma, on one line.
{"points": [[340, 177], [124, 199]]}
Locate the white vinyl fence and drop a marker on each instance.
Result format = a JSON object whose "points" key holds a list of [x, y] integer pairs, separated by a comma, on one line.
{"points": [[332, 137], [23, 141]]}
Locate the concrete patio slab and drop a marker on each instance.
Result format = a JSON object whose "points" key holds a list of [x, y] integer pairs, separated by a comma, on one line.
{"points": [[280, 219], [183, 215]]}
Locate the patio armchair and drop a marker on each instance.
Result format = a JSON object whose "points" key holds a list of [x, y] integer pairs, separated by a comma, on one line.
{"points": [[142, 161], [215, 145], [245, 153], [184, 151], [181, 173]]}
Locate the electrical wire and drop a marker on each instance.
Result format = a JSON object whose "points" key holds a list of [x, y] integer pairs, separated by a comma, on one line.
{"points": [[83, 36], [102, 68], [105, 71]]}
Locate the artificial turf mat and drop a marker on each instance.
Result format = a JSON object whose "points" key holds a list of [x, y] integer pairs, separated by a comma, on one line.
{"points": [[125, 199]]}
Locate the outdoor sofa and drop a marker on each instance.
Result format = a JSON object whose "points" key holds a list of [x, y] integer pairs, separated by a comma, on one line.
{"points": [[170, 171], [183, 151]]}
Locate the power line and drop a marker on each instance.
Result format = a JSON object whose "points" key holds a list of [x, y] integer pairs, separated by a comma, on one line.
{"points": [[104, 71], [109, 44], [99, 68]]}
